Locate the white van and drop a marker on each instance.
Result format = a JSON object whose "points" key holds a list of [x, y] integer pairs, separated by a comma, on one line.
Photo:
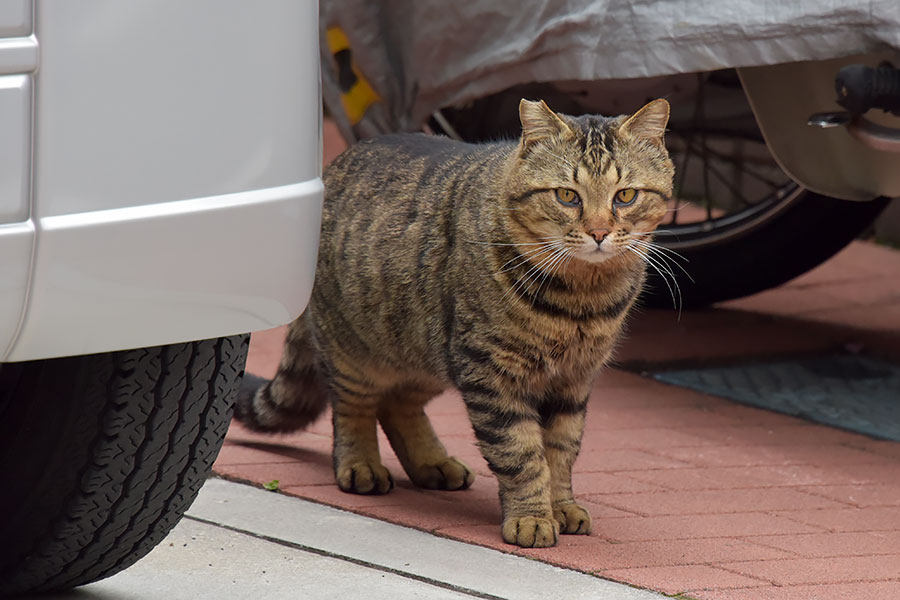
{"points": [[160, 197]]}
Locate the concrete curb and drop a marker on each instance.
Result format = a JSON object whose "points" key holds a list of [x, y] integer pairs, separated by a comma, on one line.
{"points": [[239, 541], [442, 563]]}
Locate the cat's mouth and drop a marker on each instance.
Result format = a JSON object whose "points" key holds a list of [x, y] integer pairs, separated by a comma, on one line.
{"points": [[597, 253]]}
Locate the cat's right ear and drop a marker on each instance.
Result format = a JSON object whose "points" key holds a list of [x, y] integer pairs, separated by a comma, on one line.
{"points": [[539, 122]]}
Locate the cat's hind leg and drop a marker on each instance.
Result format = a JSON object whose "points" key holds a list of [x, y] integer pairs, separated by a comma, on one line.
{"points": [[423, 456]]}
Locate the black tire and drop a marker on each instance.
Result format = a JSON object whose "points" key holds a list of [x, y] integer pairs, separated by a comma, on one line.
{"points": [[101, 455], [745, 260]]}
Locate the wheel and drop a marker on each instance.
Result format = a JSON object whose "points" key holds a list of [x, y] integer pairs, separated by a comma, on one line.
{"points": [[100, 455], [738, 224], [755, 250]]}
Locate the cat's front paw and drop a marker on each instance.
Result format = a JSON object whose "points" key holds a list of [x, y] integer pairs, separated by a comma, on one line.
{"points": [[572, 518], [364, 478], [449, 474], [530, 532]]}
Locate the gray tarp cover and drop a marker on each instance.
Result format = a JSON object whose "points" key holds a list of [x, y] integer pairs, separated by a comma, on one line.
{"points": [[421, 55]]}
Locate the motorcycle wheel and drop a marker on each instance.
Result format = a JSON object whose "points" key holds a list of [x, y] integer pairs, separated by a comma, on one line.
{"points": [[738, 224], [755, 250]]}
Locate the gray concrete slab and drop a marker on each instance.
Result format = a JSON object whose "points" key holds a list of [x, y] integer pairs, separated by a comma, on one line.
{"points": [[199, 561], [239, 541], [414, 553]]}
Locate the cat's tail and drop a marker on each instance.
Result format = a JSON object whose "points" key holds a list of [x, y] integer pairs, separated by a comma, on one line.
{"points": [[294, 398]]}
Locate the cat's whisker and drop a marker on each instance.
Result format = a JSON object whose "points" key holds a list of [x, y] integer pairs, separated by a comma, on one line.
{"points": [[661, 268], [568, 261], [525, 257], [669, 231], [505, 243], [524, 284], [567, 257], [656, 246], [551, 268], [536, 279], [644, 236], [536, 272], [547, 244], [661, 249], [528, 253], [662, 273], [668, 261], [675, 304], [663, 265], [559, 257], [668, 252], [658, 251], [518, 285]]}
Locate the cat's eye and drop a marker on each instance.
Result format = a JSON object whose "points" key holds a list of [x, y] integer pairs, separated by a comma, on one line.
{"points": [[626, 196], [568, 197]]}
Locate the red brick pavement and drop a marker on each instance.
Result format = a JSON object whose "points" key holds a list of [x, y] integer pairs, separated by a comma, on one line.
{"points": [[691, 494]]}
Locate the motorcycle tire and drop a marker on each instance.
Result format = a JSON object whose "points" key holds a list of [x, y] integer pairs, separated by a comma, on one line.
{"points": [[740, 259], [741, 252]]}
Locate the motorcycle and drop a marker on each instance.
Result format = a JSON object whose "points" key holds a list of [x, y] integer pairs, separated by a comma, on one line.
{"points": [[785, 128]]}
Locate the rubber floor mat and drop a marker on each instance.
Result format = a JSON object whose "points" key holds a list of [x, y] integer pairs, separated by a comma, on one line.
{"points": [[851, 392]]}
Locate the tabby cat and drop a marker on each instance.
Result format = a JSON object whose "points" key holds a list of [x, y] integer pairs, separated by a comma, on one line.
{"points": [[504, 270]]}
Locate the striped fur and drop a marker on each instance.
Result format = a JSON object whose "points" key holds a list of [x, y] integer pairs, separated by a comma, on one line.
{"points": [[430, 275]]}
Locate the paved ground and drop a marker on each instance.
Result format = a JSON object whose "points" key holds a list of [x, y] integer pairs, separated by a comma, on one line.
{"points": [[242, 542], [691, 494]]}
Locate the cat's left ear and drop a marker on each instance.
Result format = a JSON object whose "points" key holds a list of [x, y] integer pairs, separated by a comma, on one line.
{"points": [[649, 123], [539, 122]]}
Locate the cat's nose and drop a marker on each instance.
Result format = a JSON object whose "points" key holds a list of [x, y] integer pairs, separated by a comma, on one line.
{"points": [[599, 234]]}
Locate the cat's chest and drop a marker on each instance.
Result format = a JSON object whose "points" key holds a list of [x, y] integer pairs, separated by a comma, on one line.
{"points": [[583, 347], [572, 352]]}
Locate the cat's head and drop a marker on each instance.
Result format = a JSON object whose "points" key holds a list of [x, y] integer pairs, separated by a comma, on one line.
{"points": [[590, 184]]}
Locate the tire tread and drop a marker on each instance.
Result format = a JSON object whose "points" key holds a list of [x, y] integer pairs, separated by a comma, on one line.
{"points": [[163, 413]]}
